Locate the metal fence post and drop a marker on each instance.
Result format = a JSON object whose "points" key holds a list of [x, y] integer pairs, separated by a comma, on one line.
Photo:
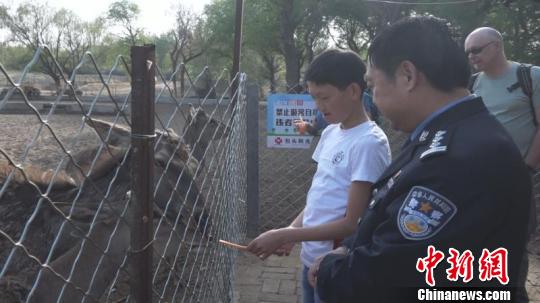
{"points": [[142, 181], [239, 16], [252, 164]]}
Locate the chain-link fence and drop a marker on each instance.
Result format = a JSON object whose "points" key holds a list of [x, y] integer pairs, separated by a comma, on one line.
{"points": [[68, 204], [285, 174]]}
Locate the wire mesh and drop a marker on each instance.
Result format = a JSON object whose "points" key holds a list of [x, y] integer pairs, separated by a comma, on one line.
{"points": [[65, 188], [285, 174]]}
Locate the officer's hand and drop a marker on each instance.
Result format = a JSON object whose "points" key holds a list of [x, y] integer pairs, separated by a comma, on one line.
{"points": [[314, 268]]}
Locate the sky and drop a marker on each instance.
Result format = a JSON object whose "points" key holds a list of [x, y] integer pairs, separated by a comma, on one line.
{"points": [[156, 16]]}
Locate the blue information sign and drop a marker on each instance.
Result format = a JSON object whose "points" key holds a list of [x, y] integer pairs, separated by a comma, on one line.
{"points": [[282, 111]]}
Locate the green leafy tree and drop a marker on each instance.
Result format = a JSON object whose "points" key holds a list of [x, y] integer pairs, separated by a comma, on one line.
{"points": [[302, 33], [518, 22], [33, 25], [188, 42], [356, 23], [125, 13], [278, 31], [261, 37]]}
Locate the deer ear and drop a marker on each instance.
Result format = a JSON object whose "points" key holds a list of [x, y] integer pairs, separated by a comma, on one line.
{"points": [[119, 135]]}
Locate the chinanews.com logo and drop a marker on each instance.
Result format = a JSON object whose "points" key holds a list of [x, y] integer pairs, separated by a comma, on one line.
{"points": [[491, 265]]}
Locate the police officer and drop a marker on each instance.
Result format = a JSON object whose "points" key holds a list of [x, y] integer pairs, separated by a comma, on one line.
{"points": [[459, 182]]}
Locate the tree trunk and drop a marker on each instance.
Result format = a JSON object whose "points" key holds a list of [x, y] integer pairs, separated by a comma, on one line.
{"points": [[182, 80], [288, 47], [174, 62], [175, 89], [271, 68], [309, 42], [57, 83]]}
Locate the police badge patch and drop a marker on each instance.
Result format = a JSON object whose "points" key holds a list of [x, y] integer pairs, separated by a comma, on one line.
{"points": [[424, 213]]}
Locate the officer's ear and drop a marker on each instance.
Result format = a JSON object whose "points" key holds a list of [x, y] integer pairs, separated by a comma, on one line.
{"points": [[407, 75]]}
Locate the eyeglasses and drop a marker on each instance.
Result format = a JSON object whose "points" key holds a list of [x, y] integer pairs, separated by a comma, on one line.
{"points": [[478, 50]]}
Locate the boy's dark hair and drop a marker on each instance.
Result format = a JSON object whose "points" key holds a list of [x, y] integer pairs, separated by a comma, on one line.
{"points": [[338, 68], [428, 44]]}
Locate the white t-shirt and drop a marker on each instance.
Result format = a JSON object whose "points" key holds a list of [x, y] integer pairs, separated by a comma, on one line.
{"points": [[360, 153]]}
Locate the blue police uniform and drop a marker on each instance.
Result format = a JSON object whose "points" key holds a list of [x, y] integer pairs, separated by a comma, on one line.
{"points": [[459, 183]]}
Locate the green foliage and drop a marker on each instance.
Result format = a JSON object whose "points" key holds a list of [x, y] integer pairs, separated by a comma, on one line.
{"points": [[261, 26], [219, 27], [14, 57], [271, 32], [163, 44], [310, 26], [125, 13], [519, 23]]}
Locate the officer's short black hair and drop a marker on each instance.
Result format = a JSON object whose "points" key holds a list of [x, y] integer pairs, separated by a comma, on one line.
{"points": [[338, 68], [426, 42]]}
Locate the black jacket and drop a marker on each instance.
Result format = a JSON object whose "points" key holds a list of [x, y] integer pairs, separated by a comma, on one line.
{"points": [[461, 184]]}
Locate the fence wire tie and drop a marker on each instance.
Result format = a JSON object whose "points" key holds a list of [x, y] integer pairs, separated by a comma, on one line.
{"points": [[143, 136], [137, 251]]}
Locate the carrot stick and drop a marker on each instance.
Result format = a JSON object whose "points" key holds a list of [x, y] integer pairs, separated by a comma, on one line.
{"points": [[233, 245]]}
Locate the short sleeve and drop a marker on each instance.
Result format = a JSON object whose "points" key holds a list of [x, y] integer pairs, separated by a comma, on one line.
{"points": [[319, 147], [535, 75], [369, 158]]}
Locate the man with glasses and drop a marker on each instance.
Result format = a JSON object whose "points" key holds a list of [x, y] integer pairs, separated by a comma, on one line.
{"points": [[496, 84]]}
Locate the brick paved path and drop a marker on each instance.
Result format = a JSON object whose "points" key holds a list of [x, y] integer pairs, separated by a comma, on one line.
{"points": [[278, 279], [533, 279]]}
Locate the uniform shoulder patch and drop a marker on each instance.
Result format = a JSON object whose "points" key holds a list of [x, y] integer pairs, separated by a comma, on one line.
{"points": [[439, 144], [424, 213]]}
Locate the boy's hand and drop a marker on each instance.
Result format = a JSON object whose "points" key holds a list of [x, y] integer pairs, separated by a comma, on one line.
{"points": [[267, 243], [303, 126]]}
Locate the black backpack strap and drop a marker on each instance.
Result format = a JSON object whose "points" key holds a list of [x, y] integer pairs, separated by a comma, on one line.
{"points": [[525, 81], [472, 80]]}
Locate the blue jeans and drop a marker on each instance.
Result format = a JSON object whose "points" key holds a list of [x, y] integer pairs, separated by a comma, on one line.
{"points": [[309, 293]]}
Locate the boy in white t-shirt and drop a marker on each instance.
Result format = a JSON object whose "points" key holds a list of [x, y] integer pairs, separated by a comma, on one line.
{"points": [[351, 154]]}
